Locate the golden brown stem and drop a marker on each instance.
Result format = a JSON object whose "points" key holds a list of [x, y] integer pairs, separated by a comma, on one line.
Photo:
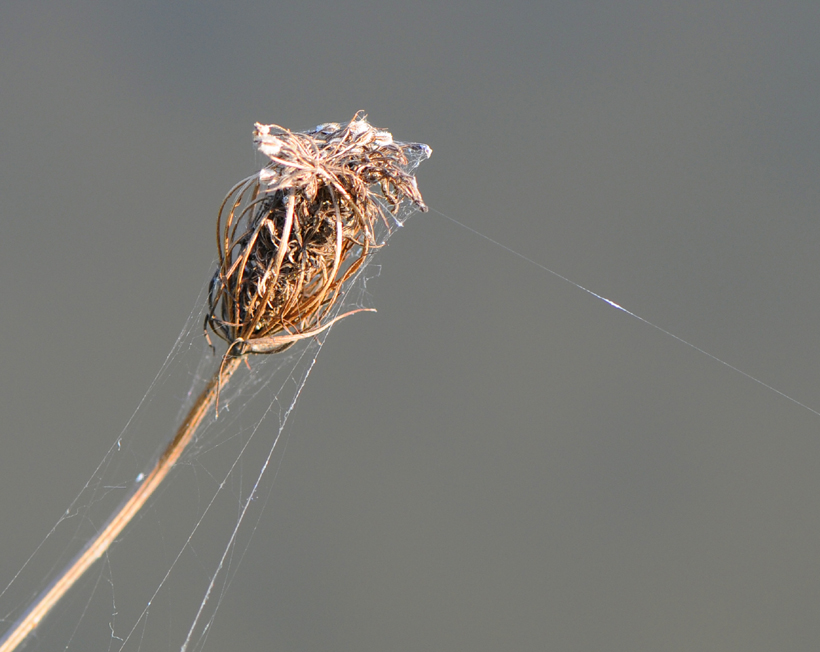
{"points": [[122, 517]]}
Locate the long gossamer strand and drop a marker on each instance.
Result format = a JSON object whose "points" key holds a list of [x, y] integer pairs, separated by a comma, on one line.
{"points": [[289, 238], [618, 306]]}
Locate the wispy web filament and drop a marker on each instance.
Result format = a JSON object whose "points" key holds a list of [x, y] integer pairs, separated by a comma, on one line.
{"points": [[617, 306]]}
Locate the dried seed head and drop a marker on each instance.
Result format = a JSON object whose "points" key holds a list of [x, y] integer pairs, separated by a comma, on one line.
{"points": [[291, 235]]}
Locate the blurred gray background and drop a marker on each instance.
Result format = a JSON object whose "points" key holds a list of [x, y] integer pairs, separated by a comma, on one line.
{"points": [[496, 460]]}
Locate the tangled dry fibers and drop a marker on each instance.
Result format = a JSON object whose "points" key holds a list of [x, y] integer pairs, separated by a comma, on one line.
{"points": [[292, 234]]}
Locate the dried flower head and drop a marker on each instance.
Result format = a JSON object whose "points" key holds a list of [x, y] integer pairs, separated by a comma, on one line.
{"points": [[292, 234], [289, 237]]}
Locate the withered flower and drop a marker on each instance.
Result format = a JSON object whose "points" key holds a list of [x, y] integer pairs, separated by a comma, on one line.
{"points": [[290, 236]]}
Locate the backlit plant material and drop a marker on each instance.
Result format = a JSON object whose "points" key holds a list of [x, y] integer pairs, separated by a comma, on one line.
{"points": [[291, 235], [288, 237]]}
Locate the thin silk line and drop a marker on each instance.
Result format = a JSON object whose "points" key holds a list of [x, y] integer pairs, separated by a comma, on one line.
{"points": [[628, 312]]}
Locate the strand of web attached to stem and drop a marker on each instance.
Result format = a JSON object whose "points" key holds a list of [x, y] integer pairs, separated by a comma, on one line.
{"points": [[251, 496], [99, 545], [628, 312]]}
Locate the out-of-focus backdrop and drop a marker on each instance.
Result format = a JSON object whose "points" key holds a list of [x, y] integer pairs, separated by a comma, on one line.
{"points": [[496, 460]]}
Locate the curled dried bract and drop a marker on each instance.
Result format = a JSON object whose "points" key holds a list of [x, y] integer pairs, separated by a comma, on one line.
{"points": [[291, 235]]}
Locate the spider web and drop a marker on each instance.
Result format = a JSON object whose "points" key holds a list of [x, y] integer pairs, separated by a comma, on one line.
{"points": [[160, 585], [200, 524]]}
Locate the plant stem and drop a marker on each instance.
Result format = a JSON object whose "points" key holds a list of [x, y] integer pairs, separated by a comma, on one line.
{"points": [[95, 548]]}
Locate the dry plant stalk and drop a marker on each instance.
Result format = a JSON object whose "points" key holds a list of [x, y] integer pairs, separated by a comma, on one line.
{"points": [[288, 238]]}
